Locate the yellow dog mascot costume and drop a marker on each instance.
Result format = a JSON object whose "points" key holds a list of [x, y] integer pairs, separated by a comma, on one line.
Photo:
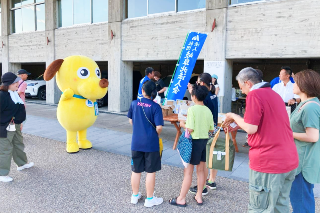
{"points": [[79, 78]]}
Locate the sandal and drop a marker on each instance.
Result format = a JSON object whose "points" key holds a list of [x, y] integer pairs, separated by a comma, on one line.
{"points": [[173, 202], [199, 204]]}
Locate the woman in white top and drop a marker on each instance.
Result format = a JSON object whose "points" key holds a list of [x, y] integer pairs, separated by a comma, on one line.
{"points": [[216, 85]]}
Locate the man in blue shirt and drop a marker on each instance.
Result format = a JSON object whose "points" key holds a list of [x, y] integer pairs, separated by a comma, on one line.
{"points": [[149, 75]]}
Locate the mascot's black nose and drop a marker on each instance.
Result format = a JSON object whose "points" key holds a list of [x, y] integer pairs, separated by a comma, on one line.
{"points": [[104, 83]]}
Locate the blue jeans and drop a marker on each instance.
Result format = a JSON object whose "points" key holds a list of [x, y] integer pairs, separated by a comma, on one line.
{"points": [[301, 195]]}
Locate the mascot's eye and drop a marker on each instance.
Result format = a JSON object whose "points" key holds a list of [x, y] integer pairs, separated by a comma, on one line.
{"points": [[83, 72], [98, 72]]}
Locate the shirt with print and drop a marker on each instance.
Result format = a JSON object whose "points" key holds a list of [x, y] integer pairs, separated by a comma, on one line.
{"points": [[146, 78], [22, 89], [286, 92], [308, 116], [199, 119], [272, 148], [211, 102], [145, 137]]}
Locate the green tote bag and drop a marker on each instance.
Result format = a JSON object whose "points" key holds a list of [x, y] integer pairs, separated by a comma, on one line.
{"points": [[220, 153]]}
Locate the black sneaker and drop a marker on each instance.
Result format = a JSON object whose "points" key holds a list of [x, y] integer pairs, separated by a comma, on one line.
{"points": [[245, 145], [211, 185], [194, 190]]}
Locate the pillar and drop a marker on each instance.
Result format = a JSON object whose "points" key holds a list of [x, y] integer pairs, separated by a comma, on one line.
{"points": [[5, 32], [52, 91], [215, 50], [120, 73]]}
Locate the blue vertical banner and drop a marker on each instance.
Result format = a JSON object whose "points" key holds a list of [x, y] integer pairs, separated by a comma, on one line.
{"points": [[188, 58]]}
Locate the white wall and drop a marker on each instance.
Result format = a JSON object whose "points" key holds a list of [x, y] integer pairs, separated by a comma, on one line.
{"points": [[275, 29], [159, 37], [90, 40], [27, 47]]}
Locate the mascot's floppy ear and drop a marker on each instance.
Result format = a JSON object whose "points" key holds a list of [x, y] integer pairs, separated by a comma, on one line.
{"points": [[52, 69]]}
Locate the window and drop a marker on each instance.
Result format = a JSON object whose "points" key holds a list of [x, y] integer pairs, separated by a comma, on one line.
{"points": [[156, 6], [242, 1], [139, 8], [100, 11], [27, 15], [184, 5], [73, 12]]}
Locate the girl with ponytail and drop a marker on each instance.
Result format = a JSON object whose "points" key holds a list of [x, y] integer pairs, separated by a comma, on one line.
{"points": [[211, 102], [146, 118]]}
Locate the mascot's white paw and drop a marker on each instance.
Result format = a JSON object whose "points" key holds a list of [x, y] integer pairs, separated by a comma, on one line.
{"points": [[72, 147], [85, 144]]}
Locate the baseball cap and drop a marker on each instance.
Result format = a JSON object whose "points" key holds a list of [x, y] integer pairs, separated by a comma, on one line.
{"points": [[9, 78], [214, 76], [22, 71]]}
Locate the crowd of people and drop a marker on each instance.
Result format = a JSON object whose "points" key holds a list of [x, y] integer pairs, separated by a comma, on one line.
{"points": [[284, 163], [283, 150]]}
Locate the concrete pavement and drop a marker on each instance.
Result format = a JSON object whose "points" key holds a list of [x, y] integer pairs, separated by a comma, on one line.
{"points": [[99, 181], [112, 132]]}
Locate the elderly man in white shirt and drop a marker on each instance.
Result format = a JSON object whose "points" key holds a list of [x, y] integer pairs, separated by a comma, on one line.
{"points": [[285, 87]]}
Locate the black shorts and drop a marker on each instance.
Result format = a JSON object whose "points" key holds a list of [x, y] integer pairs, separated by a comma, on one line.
{"points": [[149, 162], [198, 151]]}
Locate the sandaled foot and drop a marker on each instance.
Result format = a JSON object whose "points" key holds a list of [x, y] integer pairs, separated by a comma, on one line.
{"points": [[173, 202], [85, 144], [198, 203], [72, 147]]}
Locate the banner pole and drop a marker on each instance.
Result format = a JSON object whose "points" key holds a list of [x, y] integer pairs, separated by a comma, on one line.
{"points": [[177, 64]]}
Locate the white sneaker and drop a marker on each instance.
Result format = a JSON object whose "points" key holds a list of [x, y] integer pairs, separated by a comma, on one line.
{"points": [[135, 199], [153, 202], [25, 166], [5, 179]]}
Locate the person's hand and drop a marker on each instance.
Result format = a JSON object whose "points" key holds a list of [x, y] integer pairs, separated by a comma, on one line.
{"points": [[232, 127], [291, 102], [190, 88], [21, 126], [182, 124], [228, 119]]}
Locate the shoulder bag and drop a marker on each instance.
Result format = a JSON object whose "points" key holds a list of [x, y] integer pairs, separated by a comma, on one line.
{"points": [[160, 139]]}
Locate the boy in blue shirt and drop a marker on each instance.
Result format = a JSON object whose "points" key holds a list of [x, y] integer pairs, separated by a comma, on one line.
{"points": [[146, 118]]}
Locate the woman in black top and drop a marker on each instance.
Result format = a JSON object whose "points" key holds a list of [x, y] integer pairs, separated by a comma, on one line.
{"points": [[12, 114], [160, 85]]}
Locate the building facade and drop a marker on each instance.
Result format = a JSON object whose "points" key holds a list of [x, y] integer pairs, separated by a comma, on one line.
{"points": [[128, 35]]}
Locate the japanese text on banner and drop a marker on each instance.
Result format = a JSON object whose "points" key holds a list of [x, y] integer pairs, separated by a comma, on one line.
{"points": [[188, 59]]}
